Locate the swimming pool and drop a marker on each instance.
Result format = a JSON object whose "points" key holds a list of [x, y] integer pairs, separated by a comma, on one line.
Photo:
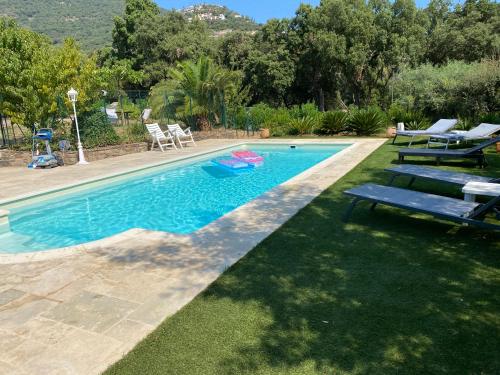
{"points": [[179, 198]]}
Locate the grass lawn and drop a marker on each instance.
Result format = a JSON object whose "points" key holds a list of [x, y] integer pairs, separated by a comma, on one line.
{"points": [[387, 293]]}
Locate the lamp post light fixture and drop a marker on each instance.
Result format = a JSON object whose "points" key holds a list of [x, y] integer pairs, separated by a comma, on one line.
{"points": [[72, 95]]}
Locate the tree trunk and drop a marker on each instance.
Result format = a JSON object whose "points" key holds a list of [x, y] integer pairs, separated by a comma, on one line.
{"points": [[321, 99]]}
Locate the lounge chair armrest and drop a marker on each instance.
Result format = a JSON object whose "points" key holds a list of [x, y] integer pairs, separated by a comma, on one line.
{"points": [[188, 131]]}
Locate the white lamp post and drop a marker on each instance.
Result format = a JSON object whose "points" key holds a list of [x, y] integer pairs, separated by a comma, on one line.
{"points": [[72, 95]]}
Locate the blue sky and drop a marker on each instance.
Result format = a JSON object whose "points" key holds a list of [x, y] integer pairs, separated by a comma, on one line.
{"points": [[260, 10]]}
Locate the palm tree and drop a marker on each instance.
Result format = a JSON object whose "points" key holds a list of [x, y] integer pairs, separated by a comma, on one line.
{"points": [[201, 87]]}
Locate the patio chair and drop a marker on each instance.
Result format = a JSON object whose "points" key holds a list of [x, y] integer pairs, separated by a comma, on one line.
{"points": [[163, 139], [451, 209], [434, 174], [482, 131], [146, 114], [183, 136], [440, 127], [469, 153], [112, 115]]}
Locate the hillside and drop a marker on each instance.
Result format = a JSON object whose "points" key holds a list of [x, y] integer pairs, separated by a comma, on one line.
{"points": [[220, 18], [88, 21]]}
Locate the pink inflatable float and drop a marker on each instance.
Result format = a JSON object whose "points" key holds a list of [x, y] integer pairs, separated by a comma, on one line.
{"points": [[249, 157]]}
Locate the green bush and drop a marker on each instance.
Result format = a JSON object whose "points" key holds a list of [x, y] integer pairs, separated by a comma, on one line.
{"points": [[365, 122], [261, 114], [451, 90], [301, 126], [96, 130], [305, 110], [491, 118], [413, 120], [464, 123], [333, 122]]}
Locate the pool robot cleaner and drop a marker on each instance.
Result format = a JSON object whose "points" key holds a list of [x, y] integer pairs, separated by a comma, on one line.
{"points": [[47, 159]]}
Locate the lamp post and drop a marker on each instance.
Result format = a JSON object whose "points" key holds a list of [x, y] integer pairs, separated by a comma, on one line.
{"points": [[72, 95]]}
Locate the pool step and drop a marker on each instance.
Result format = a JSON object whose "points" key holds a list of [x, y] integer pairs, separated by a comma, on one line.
{"points": [[4, 221]]}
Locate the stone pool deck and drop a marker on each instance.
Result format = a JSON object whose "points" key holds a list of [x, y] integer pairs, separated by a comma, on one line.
{"points": [[79, 311]]}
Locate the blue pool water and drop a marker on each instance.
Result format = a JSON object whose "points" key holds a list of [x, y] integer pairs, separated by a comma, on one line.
{"points": [[178, 199]]}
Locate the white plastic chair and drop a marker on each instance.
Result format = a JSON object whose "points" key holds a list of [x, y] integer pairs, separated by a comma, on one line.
{"points": [[184, 137], [146, 114], [112, 115], [163, 139]]}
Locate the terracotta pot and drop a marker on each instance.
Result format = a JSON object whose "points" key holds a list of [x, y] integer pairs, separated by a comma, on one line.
{"points": [[498, 147], [391, 132], [265, 133]]}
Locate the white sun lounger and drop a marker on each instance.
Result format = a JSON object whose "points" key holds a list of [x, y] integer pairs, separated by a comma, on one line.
{"points": [[440, 127], [184, 137], [482, 131], [163, 139]]}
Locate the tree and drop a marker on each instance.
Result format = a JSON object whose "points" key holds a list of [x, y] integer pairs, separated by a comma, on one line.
{"points": [[125, 26], [201, 90], [270, 69], [470, 32], [35, 75]]}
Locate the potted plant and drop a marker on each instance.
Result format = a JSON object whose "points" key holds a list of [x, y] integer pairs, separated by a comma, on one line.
{"points": [[265, 133]]}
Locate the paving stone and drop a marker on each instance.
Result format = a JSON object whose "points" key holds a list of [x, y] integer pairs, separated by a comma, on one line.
{"points": [[128, 331], [10, 295], [21, 311], [91, 311]]}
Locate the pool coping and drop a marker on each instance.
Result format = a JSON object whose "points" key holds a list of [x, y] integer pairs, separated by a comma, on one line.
{"points": [[294, 186]]}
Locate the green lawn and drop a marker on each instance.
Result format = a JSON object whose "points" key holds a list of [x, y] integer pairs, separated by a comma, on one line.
{"points": [[384, 294]]}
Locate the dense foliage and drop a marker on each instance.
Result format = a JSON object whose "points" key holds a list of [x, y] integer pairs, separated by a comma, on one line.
{"points": [[35, 76], [89, 22], [340, 53], [454, 89], [96, 130]]}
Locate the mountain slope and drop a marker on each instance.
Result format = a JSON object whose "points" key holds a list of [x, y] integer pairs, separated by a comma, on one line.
{"points": [[88, 21]]}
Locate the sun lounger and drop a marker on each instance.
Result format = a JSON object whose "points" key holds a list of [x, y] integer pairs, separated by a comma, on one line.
{"points": [[163, 139], [435, 174], [183, 136], [455, 210], [469, 153], [440, 127], [482, 131]]}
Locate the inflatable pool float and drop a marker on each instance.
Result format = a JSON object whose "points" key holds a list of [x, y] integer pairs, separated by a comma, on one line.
{"points": [[232, 164], [249, 157]]}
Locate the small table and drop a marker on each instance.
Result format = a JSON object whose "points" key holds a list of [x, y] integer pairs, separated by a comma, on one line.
{"points": [[472, 189]]}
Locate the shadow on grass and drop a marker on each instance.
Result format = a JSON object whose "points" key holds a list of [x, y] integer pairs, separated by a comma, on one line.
{"points": [[386, 293]]}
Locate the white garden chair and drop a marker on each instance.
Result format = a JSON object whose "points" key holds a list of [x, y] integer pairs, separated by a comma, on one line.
{"points": [[163, 139], [146, 114], [183, 136]]}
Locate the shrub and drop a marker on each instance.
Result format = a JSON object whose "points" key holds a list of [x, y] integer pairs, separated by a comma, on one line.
{"points": [[413, 120], [491, 118], [464, 124], [261, 114], [301, 126], [333, 122], [305, 110], [96, 130], [367, 121], [456, 88]]}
